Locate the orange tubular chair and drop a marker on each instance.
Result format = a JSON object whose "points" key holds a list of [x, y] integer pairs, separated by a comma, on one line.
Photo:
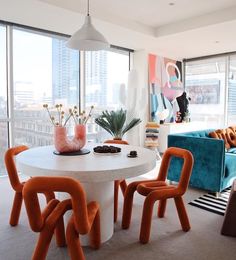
{"points": [[158, 189], [117, 183], [16, 184], [85, 218]]}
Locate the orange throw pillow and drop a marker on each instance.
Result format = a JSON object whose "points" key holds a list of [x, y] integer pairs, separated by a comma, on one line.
{"points": [[220, 134], [231, 135]]}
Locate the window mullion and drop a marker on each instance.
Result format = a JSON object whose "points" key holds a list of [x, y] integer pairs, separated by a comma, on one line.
{"points": [[226, 89], [82, 81], [10, 89]]}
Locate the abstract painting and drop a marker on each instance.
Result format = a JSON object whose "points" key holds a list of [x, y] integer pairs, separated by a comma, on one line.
{"points": [[165, 84]]}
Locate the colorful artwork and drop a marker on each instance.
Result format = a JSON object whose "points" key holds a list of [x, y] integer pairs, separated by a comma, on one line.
{"points": [[165, 83]]}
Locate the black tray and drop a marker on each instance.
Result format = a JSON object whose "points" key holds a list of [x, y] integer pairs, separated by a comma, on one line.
{"points": [[80, 152]]}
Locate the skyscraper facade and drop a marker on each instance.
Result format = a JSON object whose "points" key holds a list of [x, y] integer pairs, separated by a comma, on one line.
{"points": [[65, 73], [96, 78]]}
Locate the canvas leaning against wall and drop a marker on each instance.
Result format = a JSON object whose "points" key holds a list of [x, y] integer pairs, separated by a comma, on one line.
{"points": [[165, 84]]}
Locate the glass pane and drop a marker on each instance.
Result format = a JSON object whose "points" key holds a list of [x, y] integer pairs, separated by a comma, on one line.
{"points": [[106, 73], [205, 85], [232, 91], [3, 85], [3, 146], [45, 71]]}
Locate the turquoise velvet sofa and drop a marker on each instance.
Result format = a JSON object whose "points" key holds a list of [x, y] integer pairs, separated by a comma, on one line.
{"points": [[214, 168]]}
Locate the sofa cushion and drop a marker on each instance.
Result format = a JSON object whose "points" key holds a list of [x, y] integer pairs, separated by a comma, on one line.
{"points": [[220, 134]]}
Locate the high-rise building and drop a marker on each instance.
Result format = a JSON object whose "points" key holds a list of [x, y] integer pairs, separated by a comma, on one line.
{"points": [[96, 78], [65, 73]]}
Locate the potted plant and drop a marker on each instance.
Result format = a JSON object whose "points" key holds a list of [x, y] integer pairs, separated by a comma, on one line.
{"points": [[114, 122]]}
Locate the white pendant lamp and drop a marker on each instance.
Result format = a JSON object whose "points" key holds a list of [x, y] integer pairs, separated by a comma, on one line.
{"points": [[87, 38]]}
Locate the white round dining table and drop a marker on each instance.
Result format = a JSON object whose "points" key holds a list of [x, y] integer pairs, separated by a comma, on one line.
{"points": [[96, 172]]}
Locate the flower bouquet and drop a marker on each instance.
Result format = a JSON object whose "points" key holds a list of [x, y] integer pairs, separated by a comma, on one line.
{"points": [[59, 119]]}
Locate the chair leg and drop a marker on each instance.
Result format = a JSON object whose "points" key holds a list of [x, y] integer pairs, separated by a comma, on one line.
{"points": [[95, 232], [49, 195], [43, 243], [123, 186], [16, 209], [128, 204], [146, 220], [116, 199], [60, 233], [183, 217], [161, 208], [73, 243]]}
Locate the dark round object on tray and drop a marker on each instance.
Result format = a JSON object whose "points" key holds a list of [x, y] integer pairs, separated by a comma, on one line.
{"points": [[80, 152]]}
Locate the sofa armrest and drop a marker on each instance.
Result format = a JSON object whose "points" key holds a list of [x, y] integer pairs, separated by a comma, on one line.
{"points": [[209, 160]]}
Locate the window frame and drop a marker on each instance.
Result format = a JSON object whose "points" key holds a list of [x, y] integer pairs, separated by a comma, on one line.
{"points": [[227, 57]]}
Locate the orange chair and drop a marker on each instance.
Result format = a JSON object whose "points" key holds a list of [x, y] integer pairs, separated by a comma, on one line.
{"points": [[117, 183], [158, 189], [85, 218], [16, 184]]}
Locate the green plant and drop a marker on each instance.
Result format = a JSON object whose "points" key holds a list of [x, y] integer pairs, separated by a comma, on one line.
{"points": [[114, 122]]}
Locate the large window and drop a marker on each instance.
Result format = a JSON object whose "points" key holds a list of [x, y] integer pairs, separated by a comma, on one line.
{"points": [[37, 68], [45, 71], [3, 96], [211, 85], [205, 84], [232, 91], [106, 74]]}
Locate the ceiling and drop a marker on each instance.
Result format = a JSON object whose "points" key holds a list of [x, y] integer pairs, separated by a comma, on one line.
{"points": [[183, 28]]}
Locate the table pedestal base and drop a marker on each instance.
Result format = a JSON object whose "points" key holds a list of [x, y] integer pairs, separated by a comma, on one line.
{"points": [[103, 193]]}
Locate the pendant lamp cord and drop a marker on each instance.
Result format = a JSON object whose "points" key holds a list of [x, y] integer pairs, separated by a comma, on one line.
{"points": [[88, 8]]}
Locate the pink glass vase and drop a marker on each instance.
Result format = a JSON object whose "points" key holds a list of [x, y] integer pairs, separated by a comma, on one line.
{"points": [[63, 144], [80, 135]]}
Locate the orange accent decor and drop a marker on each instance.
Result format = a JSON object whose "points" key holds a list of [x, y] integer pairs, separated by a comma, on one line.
{"points": [[158, 189], [116, 141], [231, 136], [117, 183], [16, 184], [85, 218], [220, 134]]}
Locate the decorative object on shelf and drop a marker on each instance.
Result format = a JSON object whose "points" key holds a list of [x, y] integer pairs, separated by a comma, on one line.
{"points": [[62, 143], [162, 115], [114, 123], [181, 107], [87, 38], [152, 134]]}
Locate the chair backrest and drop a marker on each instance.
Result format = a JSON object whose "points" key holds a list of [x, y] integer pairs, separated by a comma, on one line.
{"points": [[114, 141], [11, 166], [186, 167], [58, 184]]}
